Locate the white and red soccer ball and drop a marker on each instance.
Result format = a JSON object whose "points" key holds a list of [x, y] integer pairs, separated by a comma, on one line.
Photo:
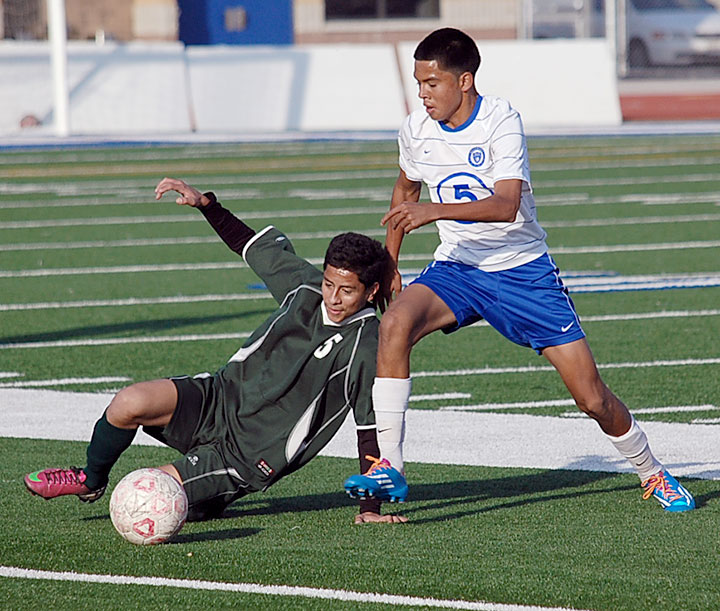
{"points": [[148, 506]]}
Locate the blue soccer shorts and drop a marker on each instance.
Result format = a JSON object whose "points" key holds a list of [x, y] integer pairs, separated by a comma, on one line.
{"points": [[528, 304]]}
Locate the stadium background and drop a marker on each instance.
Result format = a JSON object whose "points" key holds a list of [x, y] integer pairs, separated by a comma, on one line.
{"points": [[161, 67]]}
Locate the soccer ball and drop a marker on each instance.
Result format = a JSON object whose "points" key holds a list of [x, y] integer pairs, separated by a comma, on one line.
{"points": [[148, 506]]}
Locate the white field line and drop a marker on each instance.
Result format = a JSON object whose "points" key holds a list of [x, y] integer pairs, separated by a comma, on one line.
{"points": [[630, 283], [117, 341], [314, 235], [121, 269], [569, 148], [538, 368], [441, 396], [140, 186], [558, 250], [650, 315], [660, 199], [211, 151], [222, 151], [62, 382], [479, 407], [270, 590], [670, 409], [145, 186], [134, 301], [379, 194], [592, 282], [646, 199], [141, 196], [584, 250], [187, 218], [638, 220], [181, 218], [630, 180], [567, 164], [706, 421], [10, 374]]}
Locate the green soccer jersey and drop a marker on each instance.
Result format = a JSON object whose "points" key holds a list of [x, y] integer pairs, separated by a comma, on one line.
{"points": [[287, 391]]}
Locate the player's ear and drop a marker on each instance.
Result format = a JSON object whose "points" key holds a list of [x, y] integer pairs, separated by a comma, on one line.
{"points": [[467, 82], [372, 291]]}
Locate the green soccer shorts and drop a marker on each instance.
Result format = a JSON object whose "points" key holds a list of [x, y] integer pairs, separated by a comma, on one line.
{"points": [[210, 483]]}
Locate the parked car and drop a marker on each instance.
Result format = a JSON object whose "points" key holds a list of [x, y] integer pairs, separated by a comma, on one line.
{"points": [[659, 31]]}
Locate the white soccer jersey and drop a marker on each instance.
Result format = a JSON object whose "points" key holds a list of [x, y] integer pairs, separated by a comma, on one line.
{"points": [[463, 164]]}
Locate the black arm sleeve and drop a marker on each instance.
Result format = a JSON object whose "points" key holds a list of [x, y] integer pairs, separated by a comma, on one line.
{"points": [[368, 445], [230, 228]]}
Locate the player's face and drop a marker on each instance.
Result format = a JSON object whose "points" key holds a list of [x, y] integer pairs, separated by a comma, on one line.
{"points": [[440, 91], [343, 293]]}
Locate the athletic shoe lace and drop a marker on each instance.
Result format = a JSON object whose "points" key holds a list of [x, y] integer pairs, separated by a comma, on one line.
{"points": [[376, 464], [65, 476], [660, 483]]}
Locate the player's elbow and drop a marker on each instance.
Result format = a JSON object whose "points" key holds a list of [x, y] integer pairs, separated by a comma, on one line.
{"points": [[509, 211]]}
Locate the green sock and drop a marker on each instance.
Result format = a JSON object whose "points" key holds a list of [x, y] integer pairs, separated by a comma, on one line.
{"points": [[108, 442]]}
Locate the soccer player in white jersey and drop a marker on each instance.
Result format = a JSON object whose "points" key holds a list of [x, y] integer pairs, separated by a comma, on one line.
{"points": [[492, 262]]}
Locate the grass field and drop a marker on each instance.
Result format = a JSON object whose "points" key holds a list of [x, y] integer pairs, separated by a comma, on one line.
{"points": [[101, 286]]}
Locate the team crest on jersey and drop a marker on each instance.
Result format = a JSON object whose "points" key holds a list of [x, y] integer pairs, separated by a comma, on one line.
{"points": [[476, 157]]}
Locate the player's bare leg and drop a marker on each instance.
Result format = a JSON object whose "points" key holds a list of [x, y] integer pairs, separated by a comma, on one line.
{"points": [[172, 471], [415, 313], [576, 365], [143, 404], [146, 403]]}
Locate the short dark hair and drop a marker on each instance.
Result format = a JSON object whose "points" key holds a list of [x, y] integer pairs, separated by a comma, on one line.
{"points": [[452, 49], [359, 254]]}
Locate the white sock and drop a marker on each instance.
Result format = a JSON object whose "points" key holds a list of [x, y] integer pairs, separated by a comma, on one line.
{"points": [[390, 401], [634, 446]]}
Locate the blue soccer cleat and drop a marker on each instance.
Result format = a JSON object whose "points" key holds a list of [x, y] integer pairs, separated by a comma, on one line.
{"points": [[669, 492], [382, 481]]}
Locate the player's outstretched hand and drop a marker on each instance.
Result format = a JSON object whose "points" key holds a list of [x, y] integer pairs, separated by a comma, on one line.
{"points": [[370, 517], [189, 196]]}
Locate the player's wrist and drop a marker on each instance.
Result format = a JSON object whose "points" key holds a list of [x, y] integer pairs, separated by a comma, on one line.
{"points": [[208, 199], [442, 212]]}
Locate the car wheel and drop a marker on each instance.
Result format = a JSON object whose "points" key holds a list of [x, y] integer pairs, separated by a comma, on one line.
{"points": [[638, 54]]}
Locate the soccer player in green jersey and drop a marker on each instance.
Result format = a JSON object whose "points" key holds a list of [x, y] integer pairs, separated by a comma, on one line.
{"points": [[279, 399]]}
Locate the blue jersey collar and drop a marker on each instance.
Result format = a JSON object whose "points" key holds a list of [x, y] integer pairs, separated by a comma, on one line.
{"points": [[469, 120]]}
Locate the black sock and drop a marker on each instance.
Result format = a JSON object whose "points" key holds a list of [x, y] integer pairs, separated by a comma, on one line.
{"points": [[108, 442]]}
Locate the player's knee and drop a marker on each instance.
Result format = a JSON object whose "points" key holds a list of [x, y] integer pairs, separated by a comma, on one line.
{"points": [[592, 406], [128, 407], [395, 328], [597, 405]]}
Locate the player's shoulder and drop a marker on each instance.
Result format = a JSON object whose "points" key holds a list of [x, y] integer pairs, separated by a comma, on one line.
{"points": [[496, 107], [495, 111], [270, 236], [366, 325]]}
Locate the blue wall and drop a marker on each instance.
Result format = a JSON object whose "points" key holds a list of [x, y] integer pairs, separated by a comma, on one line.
{"points": [[269, 22]]}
